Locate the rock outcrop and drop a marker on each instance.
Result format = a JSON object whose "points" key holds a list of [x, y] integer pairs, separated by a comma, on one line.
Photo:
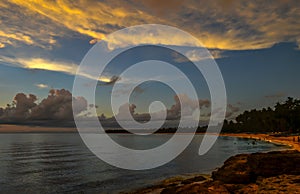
{"points": [[246, 168], [265, 173]]}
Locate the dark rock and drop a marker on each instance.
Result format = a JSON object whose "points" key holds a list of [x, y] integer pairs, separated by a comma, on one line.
{"points": [[194, 179], [245, 168], [198, 188], [235, 170]]}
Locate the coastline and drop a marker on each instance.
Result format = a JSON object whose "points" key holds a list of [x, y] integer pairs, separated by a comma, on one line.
{"points": [[208, 184], [290, 141]]}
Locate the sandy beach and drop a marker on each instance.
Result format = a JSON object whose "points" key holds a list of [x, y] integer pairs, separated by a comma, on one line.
{"points": [[5, 128], [291, 141]]}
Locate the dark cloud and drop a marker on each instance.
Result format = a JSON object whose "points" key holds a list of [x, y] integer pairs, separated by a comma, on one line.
{"points": [[112, 81], [173, 113], [20, 109], [24, 104], [231, 110], [57, 106], [190, 106]]}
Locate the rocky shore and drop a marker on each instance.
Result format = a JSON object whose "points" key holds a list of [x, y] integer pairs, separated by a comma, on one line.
{"points": [[272, 172]]}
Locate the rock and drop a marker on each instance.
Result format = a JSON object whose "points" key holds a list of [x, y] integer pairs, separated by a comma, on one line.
{"points": [[245, 168], [264, 173], [235, 170], [194, 179], [275, 163], [273, 185], [198, 188]]}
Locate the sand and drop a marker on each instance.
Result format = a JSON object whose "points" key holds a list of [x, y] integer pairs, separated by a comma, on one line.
{"points": [[33, 129], [291, 141]]}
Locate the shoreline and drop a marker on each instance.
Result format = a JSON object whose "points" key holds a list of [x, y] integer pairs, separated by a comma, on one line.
{"points": [[291, 140], [171, 184], [281, 140]]}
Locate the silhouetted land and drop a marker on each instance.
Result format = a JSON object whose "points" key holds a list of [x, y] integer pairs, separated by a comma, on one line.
{"points": [[283, 117]]}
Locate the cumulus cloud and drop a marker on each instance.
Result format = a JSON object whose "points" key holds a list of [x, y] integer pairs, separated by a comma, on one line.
{"points": [[23, 105], [57, 106], [20, 108], [173, 113], [231, 110]]}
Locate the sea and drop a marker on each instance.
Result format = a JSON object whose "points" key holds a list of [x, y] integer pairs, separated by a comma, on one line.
{"points": [[61, 163]]}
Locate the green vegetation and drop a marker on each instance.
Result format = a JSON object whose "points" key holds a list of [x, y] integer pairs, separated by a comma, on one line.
{"points": [[284, 117]]}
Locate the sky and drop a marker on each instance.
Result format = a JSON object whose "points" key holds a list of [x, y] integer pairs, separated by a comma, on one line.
{"points": [[254, 43]]}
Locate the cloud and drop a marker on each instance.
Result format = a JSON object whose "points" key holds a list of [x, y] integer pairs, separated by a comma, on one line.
{"points": [[231, 110], [150, 34], [190, 106], [109, 81], [91, 18], [42, 86], [57, 106], [2, 45], [17, 31], [17, 36], [198, 54], [173, 113], [41, 64], [226, 24], [23, 105], [20, 109], [163, 7]]}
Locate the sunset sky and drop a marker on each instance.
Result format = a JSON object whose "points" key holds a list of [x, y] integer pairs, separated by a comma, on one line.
{"points": [[255, 43]]}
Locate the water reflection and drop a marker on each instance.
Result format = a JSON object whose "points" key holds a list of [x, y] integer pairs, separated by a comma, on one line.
{"points": [[49, 163]]}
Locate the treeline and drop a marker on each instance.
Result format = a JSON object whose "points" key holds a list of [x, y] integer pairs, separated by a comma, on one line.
{"points": [[284, 117]]}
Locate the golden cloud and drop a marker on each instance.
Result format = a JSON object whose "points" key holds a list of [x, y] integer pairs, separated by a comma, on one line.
{"points": [[17, 36], [41, 64], [49, 65], [226, 25], [2, 45]]}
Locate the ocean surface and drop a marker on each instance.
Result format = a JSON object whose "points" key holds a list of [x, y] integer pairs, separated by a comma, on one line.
{"points": [[60, 162]]}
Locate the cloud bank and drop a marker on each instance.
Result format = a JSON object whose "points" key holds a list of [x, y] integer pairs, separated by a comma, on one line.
{"points": [[57, 106]]}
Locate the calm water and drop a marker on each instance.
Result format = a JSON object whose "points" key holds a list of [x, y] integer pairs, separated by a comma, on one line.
{"points": [[49, 163]]}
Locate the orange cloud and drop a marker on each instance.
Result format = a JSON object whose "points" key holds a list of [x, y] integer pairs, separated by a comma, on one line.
{"points": [[17, 36], [2, 45], [42, 64], [226, 24]]}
